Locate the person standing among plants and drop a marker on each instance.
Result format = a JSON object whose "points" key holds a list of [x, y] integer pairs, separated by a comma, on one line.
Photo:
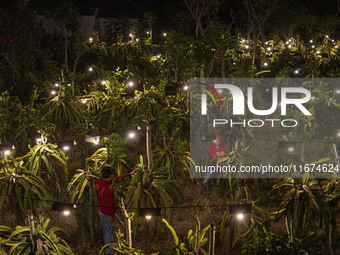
{"points": [[215, 149], [106, 202]]}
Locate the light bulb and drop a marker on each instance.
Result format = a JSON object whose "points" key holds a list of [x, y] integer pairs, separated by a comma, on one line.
{"points": [[265, 64], [247, 46], [291, 149], [66, 148], [132, 135], [148, 217], [186, 87], [90, 68], [90, 39], [7, 152], [53, 92], [131, 83], [311, 41], [164, 34], [66, 212], [296, 71], [56, 84], [240, 216]]}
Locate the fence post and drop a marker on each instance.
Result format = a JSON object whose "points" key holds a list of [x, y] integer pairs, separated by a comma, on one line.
{"points": [[212, 239]]}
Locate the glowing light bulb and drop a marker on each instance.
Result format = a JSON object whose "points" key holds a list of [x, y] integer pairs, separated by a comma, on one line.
{"points": [[269, 49], [311, 41], [291, 149], [90, 68], [137, 40], [53, 92], [132, 135], [318, 52], [240, 216], [66, 212], [243, 40], [7, 152], [296, 71], [247, 46], [164, 34], [66, 148], [265, 64], [289, 46], [90, 39], [130, 83], [148, 217], [56, 84], [159, 56], [313, 46], [186, 87]]}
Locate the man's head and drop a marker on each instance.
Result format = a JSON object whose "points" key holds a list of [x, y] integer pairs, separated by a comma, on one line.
{"points": [[218, 140], [107, 171]]}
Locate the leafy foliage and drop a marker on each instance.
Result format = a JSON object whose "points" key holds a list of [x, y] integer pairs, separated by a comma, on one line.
{"points": [[46, 241]]}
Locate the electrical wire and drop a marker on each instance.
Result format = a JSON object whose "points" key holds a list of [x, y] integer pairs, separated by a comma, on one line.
{"points": [[161, 207]]}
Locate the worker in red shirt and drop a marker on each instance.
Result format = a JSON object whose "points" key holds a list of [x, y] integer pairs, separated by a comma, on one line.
{"points": [[106, 202], [215, 149]]}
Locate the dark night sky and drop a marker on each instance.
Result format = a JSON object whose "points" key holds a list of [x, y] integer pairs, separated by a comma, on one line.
{"points": [[132, 8]]}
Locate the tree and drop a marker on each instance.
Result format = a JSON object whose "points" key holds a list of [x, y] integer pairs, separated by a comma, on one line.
{"points": [[23, 187]]}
